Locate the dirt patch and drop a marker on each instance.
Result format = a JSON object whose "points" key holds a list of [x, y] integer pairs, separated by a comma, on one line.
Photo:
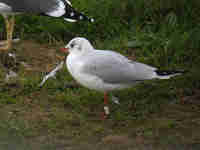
{"points": [[116, 139], [39, 56]]}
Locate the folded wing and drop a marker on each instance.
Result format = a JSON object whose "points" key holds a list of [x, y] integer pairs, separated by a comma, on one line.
{"points": [[112, 67]]}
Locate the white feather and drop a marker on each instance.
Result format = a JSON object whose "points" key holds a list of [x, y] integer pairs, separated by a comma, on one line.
{"points": [[52, 73], [68, 2], [70, 20], [59, 11], [4, 8]]}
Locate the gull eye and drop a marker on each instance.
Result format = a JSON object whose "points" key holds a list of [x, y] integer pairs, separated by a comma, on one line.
{"points": [[72, 45]]}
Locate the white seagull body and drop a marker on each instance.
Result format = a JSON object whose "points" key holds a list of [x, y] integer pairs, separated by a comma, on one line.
{"points": [[105, 70]]}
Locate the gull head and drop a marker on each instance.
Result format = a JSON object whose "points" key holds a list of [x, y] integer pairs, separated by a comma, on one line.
{"points": [[78, 45]]}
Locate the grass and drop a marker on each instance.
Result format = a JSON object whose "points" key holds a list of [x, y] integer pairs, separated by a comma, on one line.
{"points": [[63, 113], [62, 110]]}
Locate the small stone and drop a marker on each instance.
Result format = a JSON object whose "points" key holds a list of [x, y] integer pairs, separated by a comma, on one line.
{"points": [[117, 139]]}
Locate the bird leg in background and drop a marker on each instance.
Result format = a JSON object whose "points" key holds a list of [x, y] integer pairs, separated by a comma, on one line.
{"points": [[10, 23], [10, 27], [10, 30], [106, 108]]}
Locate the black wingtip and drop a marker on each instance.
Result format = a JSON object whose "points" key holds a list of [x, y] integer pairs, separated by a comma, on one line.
{"points": [[169, 72], [83, 17], [73, 14], [78, 17]]}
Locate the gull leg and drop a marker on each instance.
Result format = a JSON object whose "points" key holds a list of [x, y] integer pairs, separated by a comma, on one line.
{"points": [[4, 43], [106, 108], [9, 32]]}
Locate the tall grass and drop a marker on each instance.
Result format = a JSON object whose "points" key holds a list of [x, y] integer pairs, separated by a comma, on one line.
{"points": [[166, 32]]}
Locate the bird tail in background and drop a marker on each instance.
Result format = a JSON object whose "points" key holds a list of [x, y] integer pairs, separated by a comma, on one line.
{"points": [[72, 15], [166, 74]]}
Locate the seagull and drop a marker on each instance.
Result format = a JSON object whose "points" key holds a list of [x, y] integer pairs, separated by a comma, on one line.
{"points": [[106, 70], [53, 8]]}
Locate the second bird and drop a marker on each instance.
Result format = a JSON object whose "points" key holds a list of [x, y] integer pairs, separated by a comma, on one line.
{"points": [[53, 8]]}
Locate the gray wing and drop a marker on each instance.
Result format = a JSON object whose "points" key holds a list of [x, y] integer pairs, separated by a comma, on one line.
{"points": [[115, 68], [32, 6]]}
